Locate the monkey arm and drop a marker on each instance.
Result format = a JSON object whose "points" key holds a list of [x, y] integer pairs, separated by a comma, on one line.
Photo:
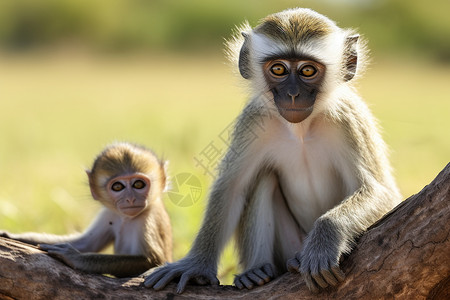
{"points": [[95, 238], [225, 206], [98, 235], [374, 194], [34, 238], [318, 261], [117, 265]]}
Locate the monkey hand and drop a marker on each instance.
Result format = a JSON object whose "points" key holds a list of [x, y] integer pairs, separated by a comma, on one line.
{"points": [[258, 276], [186, 269], [319, 259], [63, 252]]}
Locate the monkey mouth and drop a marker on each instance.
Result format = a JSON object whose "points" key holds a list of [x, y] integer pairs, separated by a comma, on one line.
{"points": [[295, 109], [295, 114], [132, 207], [132, 210]]}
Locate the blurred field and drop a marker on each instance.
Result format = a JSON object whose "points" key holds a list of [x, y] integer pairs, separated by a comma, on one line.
{"points": [[59, 109]]}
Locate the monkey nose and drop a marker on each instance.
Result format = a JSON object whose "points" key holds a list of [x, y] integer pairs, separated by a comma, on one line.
{"points": [[293, 95], [131, 200]]}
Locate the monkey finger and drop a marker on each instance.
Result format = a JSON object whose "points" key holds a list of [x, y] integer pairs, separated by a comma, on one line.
{"points": [[47, 247], [54, 254], [183, 281], [56, 247], [205, 279], [320, 280], [310, 283], [154, 277], [146, 273], [293, 265], [213, 280], [168, 277], [329, 277], [337, 272], [200, 280]]}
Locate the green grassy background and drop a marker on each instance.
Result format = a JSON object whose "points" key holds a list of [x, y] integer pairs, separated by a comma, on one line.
{"points": [[57, 112], [62, 101]]}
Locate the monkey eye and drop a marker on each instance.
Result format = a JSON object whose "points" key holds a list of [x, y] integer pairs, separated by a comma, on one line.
{"points": [[117, 187], [278, 69], [139, 184], [308, 71]]}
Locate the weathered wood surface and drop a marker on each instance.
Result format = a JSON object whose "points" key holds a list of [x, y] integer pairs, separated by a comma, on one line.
{"points": [[406, 255]]}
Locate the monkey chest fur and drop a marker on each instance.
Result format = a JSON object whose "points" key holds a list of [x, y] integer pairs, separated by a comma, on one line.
{"points": [[313, 165], [128, 237]]}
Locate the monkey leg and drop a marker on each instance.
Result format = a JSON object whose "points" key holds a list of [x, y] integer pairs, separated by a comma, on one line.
{"points": [[289, 235], [256, 235]]}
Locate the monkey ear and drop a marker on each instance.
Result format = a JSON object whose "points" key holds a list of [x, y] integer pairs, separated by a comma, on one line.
{"points": [[166, 183], [244, 59], [91, 185], [351, 57]]}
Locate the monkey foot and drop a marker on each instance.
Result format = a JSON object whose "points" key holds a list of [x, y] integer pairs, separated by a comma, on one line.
{"points": [[256, 276]]}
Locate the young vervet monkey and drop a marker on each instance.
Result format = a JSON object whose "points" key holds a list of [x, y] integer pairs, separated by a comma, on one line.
{"points": [[307, 170], [129, 181]]}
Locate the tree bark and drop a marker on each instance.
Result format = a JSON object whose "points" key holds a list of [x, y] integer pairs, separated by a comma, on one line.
{"points": [[405, 255]]}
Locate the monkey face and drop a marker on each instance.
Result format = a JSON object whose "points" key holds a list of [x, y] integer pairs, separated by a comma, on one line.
{"points": [[129, 193], [294, 85]]}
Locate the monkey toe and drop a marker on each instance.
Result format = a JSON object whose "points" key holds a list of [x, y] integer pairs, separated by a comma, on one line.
{"points": [[237, 283], [268, 270], [255, 278], [263, 275], [247, 282]]}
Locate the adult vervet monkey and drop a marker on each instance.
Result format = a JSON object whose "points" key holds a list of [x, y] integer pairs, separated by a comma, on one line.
{"points": [[306, 171], [129, 181]]}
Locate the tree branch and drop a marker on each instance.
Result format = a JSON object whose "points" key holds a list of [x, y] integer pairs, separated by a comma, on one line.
{"points": [[406, 255]]}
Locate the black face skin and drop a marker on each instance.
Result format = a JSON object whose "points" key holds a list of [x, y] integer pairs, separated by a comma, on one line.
{"points": [[294, 84]]}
